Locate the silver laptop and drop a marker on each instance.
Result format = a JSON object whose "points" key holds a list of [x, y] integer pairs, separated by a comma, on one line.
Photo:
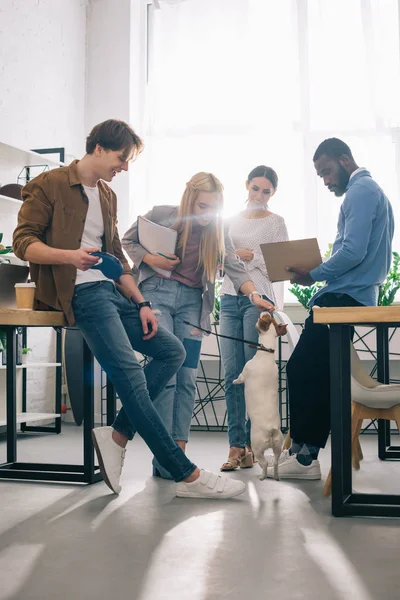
{"points": [[9, 276]]}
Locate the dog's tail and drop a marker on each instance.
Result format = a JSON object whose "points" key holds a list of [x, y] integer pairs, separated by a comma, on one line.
{"points": [[276, 436], [239, 379]]}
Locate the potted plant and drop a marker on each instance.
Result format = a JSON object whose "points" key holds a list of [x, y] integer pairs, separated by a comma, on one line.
{"points": [[387, 290], [209, 342], [25, 354], [3, 354], [217, 302], [391, 285], [2, 340]]}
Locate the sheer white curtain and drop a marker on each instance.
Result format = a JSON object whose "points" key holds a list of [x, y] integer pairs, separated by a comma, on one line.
{"points": [[237, 83]]}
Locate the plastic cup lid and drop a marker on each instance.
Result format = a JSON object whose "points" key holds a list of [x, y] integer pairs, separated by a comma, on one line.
{"points": [[24, 285]]}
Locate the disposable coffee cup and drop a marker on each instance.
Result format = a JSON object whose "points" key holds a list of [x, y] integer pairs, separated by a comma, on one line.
{"points": [[25, 295]]}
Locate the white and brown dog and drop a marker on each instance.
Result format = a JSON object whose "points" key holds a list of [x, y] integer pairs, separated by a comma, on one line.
{"points": [[260, 378]]}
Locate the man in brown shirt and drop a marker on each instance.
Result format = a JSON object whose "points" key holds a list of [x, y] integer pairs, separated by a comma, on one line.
{"points": [[68, 214]]}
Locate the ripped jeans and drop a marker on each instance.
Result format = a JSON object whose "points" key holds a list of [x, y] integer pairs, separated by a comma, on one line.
{"points": [[177, 303]]}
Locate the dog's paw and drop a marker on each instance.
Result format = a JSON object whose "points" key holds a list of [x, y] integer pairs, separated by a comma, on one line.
{"points": [[262, 477]]}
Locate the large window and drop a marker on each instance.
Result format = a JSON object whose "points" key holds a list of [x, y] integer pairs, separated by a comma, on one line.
{"points": [[237, 83]]}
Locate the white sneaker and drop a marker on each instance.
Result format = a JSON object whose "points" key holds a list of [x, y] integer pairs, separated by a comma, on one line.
{"points": [[270, 458], [211, 485], [110, 456], [290, 468]]}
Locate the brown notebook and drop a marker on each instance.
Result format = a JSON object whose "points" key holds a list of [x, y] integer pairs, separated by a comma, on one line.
{"points": [[303, 254]]}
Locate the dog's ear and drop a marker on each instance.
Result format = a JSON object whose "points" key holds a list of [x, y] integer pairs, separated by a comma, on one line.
{"points": [[265, 316], [264, 322], [281, 330]]}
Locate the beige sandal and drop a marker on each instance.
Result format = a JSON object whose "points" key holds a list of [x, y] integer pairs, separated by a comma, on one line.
{"points": [[244, 461], [248, 459]]}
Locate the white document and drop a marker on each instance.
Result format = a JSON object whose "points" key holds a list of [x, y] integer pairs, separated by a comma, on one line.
{"points": [[157, 239]]}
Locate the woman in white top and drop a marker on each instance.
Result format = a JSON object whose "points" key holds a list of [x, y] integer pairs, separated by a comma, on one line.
{"points": [[254, 226]]}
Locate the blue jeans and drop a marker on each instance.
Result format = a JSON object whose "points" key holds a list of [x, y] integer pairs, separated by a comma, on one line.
{"points": [[238, 319], [177, 303], [112, 329]]}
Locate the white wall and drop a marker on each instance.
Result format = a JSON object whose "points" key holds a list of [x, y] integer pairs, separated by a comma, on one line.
{"points": [[115, 79], [42, 73], [42, 81], [42, 104], [66, 65]]}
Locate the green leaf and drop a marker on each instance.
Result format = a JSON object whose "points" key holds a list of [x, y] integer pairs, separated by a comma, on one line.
{"points": [[389, 288], [217, 301]]}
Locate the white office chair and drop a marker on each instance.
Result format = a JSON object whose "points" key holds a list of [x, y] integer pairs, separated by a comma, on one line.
{"points": [[292, 335], [370, 400]]}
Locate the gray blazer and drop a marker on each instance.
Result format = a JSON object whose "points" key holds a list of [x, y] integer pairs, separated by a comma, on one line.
{"points": [[166, 216]]}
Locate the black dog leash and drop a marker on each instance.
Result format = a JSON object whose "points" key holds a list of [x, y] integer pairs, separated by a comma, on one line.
{"points": [[254, 345]]}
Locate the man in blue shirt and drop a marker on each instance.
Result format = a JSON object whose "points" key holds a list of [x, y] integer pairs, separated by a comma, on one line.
{"points": [[360, 260]]}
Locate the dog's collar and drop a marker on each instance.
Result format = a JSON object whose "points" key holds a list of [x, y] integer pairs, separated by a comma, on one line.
{"points": [[261, 347]]}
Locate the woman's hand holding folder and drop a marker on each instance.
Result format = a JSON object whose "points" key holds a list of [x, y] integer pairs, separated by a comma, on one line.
{"points": [[167, 262]]}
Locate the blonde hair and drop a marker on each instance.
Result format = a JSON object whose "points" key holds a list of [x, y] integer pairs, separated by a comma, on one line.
{"points": [[212, 248]]}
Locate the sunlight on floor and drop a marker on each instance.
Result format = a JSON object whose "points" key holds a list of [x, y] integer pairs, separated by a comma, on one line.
{"points": [[166, 564], [26, 556], [335, 565]]}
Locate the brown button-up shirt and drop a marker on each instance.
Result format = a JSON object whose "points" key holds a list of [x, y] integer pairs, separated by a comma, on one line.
{"points": [[54, 212]]}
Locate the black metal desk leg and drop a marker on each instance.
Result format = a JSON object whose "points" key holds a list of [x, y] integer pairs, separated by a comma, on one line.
{"points": [[88, 413], [11, 395], [340, 416], [58, 378], [111, 402], [383, 374]]}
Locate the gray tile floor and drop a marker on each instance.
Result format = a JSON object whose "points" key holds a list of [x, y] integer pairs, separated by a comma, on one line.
{"points": [[276, 541]]}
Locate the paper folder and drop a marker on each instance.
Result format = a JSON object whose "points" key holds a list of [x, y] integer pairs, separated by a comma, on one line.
{"points": [[156, 239], [303, 254]]}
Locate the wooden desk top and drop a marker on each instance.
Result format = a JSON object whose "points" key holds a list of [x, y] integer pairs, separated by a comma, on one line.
{"points": [[32, 318], [370, 315]]}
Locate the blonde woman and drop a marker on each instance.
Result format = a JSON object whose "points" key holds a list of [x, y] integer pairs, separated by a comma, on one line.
{"points": [[188, 295]]}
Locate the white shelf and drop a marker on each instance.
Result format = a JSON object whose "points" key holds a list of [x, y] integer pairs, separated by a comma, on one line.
{"points": [[8, 199], [32, 364], [18, 156], [29, 417]]}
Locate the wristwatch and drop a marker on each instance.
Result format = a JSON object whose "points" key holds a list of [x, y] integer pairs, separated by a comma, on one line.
{"points": [[143, 304], [251, 296]]}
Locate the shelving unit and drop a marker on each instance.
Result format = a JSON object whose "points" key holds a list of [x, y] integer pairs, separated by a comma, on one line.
{"points": [[30, 417], [11, 200], [13, 161], [12, 155], [56, 428], [24, 415], [36, 365]]}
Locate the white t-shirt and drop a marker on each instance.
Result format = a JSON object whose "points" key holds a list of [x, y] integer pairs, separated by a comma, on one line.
{"points": [[92, 235]]}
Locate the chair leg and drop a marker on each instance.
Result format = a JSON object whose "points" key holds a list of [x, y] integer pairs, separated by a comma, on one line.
{"points": [[356, 422], [288, 441], [396, 414], [359, 449], [357, 454], [328, 485]]}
